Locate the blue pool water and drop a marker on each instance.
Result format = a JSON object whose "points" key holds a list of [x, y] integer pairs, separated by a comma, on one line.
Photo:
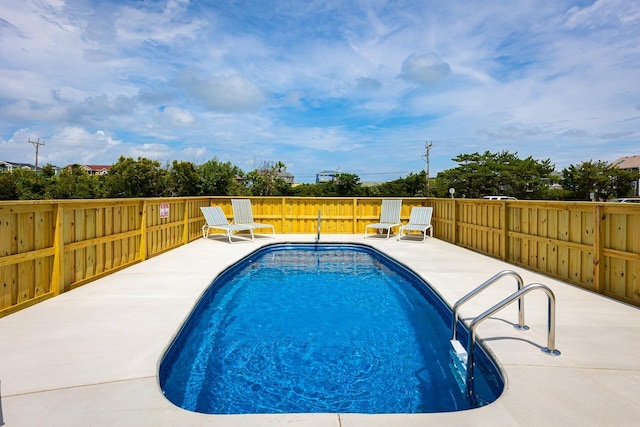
{"points": [[320, 328]]}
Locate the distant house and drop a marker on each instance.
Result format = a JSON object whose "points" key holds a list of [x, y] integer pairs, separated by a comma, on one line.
{"points": [[631, 163], [93, 169], [286, 177], [327, 175], [553, 182], [10, 166]]}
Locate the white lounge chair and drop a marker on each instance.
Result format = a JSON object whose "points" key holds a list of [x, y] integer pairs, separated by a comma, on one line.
{"points": [[419, 220], [242, 215], [216, 219], [389, 217]]}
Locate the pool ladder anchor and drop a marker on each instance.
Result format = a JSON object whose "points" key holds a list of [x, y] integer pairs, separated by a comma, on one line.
{"points": [[463, 359]]}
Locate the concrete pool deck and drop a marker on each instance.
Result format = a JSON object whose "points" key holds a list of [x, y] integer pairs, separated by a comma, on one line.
{"points": [[90, 356]]}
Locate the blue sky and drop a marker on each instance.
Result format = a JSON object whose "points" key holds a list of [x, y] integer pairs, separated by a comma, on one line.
{"points": [[359, 85]]}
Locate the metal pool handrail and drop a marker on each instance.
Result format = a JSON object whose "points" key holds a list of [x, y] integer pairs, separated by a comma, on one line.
{"points": [[319, 220], [551, 324], [476, 291]]}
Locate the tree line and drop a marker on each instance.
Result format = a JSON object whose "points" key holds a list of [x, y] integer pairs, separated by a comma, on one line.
{"points": [[476, 175]]}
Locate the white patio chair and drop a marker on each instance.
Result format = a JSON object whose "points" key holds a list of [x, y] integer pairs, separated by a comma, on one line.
{"points": [[389, 217], [242, 215], [419, 220], [216, 219]]}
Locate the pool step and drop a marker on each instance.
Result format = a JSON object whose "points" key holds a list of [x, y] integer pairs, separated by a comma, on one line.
{"points": [[458, 350], [459, 359]]}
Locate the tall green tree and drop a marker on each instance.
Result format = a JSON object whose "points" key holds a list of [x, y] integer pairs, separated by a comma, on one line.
{"points": [[29, 184], [318, 189], [8, 186], [183, 179], [219, 179], [348, 184], [75, 183], [597, 177], [264, 181], [414, 185], [48, 171], [504, 173], [136, 178]]}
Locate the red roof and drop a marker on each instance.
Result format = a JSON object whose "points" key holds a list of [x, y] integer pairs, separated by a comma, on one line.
{"points": [[92, 167]]}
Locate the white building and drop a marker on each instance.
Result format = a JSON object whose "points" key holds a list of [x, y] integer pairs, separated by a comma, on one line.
{"points": [[327, 175]]}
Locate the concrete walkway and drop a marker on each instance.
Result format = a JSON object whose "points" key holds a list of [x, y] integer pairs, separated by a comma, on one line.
{"points": [[90, 357]]}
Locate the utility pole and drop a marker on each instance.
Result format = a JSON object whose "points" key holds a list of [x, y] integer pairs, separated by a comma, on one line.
{"points": [[36, 144], [427, 148]]}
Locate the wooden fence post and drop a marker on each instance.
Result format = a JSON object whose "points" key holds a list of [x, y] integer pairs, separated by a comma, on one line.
{"points": [[57, 275], [143, 232], [283, 213], [185, 222], [354, 224], [454, 220], [598, 254], [503, 222]]}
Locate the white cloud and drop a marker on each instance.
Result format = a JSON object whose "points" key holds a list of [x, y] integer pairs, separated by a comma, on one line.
{"points": [[158, 23], [177, 116], [154, 151], [196, 155], [367, 84], [511, 132], [427, 69], [575, 133], [292, 99], [77, 145], [100, 108], [223, 93], [18, 149], [603, 13], [67, 145], [185, 80]]}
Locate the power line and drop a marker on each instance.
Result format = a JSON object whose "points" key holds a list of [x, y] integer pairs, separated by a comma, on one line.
{"points": [[427, 147], [36, 144], [385, 173]]}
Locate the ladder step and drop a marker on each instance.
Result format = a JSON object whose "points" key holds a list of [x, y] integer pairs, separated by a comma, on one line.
{"points": [[459, 351]]}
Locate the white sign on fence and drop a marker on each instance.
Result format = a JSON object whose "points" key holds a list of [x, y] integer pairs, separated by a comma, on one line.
{"points": [[164, 210]]}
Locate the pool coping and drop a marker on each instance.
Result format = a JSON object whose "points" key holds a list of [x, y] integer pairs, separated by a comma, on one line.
{"points": [[90, 356]]}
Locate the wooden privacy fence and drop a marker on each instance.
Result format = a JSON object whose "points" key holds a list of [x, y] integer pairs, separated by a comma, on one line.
{"points": [[593, 245], [50, 247]]}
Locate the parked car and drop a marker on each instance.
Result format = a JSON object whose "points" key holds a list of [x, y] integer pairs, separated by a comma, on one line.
{"points": [[626, 200], [499, 198]]}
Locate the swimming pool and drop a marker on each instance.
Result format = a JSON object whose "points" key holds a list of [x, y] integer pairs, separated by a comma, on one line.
{"points": [[320, 328]]}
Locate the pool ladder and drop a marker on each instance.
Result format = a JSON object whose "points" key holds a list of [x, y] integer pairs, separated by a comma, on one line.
{"points": [[466, 357], [319, 221]]}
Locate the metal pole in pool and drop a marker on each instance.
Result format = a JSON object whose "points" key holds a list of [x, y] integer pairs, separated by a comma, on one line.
{"points": [[319, 219]]}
